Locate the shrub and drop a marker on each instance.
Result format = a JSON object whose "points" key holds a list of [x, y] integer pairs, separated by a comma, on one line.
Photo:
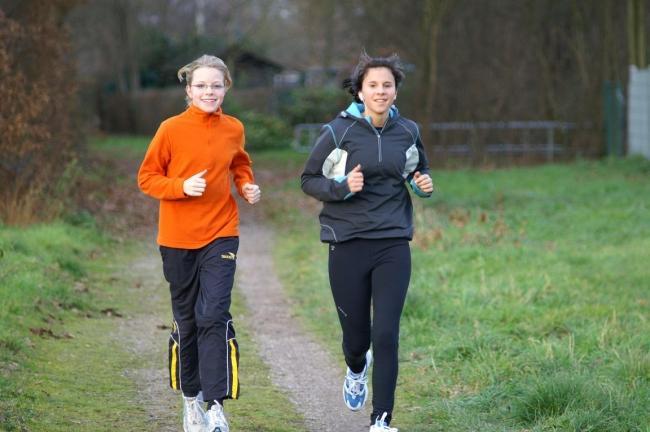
{"points": [[313, 104], [263, 131], [39, 138]]}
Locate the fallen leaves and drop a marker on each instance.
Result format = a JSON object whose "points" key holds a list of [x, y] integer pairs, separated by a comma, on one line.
{"points": [[48, 333], [111, 312]]}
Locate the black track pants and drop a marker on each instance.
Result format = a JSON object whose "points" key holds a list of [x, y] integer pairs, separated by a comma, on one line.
{"points": [[203, 351], [363, 272]]}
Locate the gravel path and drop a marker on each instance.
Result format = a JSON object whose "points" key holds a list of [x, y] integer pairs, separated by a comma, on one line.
{"points": [[145, 336], [298, 364], [308, 374]]}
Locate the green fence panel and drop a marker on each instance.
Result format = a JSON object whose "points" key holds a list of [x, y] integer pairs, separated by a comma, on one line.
{"points": [[614, 117]]}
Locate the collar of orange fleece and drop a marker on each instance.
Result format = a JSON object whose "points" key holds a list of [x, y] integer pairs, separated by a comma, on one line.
{"points": [[201, 115]]}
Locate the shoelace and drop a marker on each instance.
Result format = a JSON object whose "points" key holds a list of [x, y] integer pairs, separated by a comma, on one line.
{"points": [[217, 415], [356, 384], [194, 414], [381, 423]]}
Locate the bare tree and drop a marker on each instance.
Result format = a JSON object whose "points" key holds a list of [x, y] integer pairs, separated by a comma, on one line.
{"points": [[107, 38], [432, 17]]}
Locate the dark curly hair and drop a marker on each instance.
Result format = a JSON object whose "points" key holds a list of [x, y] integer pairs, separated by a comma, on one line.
{"points": [[354, 82]]}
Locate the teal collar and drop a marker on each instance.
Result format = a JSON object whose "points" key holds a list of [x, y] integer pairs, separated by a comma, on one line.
{"points": [[357, 109]]}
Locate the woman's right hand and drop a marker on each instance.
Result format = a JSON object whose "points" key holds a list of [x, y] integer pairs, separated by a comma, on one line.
{"points": [[355, 179]]}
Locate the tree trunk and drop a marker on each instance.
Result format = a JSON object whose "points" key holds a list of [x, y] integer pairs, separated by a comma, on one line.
{"points": [[636, 32], [434, 11]]}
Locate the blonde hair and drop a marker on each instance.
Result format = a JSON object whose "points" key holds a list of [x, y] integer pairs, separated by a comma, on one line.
{"points": [[186, 72]]}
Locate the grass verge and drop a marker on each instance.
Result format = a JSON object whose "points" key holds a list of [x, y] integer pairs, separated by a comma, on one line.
{"points": [[528, 304]]}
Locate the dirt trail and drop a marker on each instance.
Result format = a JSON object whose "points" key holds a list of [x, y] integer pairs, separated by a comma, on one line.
{"points": [[299, 365], [308, 374], [144, 335], [127, 213]]}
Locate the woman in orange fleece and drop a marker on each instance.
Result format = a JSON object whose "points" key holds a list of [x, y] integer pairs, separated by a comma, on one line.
{"points": [[188, 167]]}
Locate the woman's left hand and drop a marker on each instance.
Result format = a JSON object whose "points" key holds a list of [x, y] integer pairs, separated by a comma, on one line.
{"points": [[423, 182], [252, 193]]}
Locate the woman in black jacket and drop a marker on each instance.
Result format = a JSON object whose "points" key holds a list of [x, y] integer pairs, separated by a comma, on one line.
{"points": [[358, 169]]}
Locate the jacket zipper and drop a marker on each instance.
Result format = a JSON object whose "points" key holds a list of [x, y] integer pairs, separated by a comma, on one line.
{"points": [[379, 145], [379, 137]]}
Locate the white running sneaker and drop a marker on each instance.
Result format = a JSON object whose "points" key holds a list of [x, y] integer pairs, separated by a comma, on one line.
{"points": [[193, 415], [381, 426], [216, 419], [355, 386]]}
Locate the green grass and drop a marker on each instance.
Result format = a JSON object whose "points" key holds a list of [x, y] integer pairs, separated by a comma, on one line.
{"points": [[527, 311], [45, 302], [124, 146], [38, 270], [285, 159], [80, 383], [76, 376], [528, 305]]}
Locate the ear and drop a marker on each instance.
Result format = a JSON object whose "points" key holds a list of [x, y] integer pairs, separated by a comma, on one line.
{"points": [[360, 97], [188, 91]]}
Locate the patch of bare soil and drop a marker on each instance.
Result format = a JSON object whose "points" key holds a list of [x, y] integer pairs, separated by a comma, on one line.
{"points": [[299, 365]]}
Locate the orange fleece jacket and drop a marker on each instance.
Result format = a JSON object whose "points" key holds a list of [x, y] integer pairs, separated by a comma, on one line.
{"points": [[185, 145]]}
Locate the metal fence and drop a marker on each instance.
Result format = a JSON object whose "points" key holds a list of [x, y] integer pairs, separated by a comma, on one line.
{"points": [[546, 139], [521, 138], [304, 136]]}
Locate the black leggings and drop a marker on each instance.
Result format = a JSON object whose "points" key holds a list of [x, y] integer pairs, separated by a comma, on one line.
{"points": [[362, 270]]}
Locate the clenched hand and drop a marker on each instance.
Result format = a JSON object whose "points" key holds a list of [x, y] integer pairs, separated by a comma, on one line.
{"points": [[423, 182], [195, 185], [252, 193], [355, 179]]}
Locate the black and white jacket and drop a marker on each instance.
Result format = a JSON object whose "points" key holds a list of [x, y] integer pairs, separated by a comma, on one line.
{"points": [[389, 158]]}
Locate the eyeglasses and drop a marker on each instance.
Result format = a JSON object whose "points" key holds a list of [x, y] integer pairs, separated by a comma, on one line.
{"points": [[204, 87]]}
